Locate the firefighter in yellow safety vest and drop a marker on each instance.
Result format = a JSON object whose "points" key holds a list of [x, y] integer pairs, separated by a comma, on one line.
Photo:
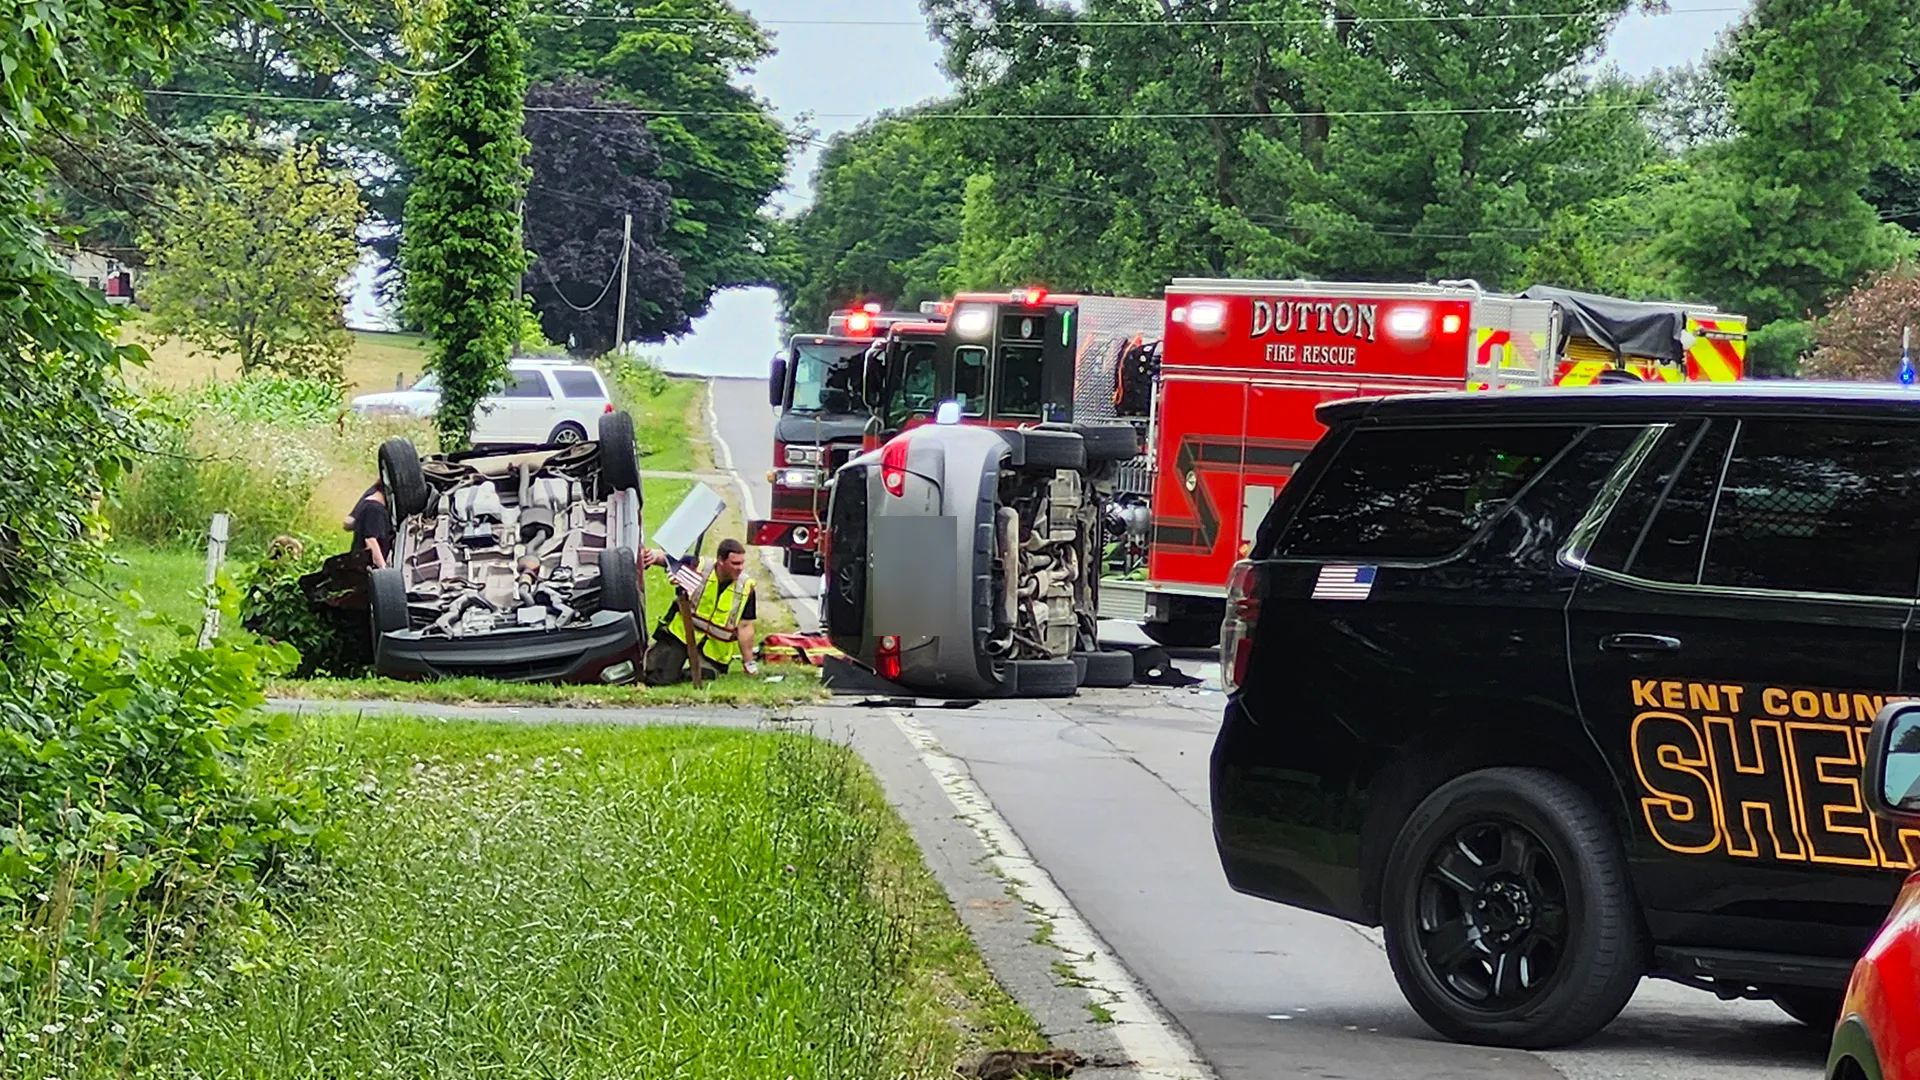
{"points": [[723, 614]]}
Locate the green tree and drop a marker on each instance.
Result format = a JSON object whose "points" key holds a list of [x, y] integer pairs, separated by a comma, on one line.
{"points": [[64, 68], [722, 151], [1775, 225], [884, 221], [255, 263], [1862, 336], [460, 250]]}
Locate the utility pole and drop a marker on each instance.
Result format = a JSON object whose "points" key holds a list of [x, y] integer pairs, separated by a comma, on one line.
{"points": [[626, 250], [520, 279]]}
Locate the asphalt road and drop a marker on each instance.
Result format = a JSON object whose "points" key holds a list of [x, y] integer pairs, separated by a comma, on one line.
{"points": [[744, 422], [1108, 791]]}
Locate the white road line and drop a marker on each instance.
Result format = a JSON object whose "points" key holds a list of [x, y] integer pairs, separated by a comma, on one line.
{"points": [[1157, 1048], [804, 608]]}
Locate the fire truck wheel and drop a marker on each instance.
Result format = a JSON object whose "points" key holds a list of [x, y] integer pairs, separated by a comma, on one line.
{"points": [[1109, 442], [1048, 449], [619, 463], [1509, 916], [1043, 678], [389, 592], [400, 474], [1108, 670]]}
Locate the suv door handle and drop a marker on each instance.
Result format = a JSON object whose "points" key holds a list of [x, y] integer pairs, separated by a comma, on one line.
{"points": [[1640, 643]]}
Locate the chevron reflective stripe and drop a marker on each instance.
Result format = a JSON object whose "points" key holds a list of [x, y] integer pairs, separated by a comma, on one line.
{"points": [[1719, 350], [1492, 347], [1657, 372], [1580, 373]]}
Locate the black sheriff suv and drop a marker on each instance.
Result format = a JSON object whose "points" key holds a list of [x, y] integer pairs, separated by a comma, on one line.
{"points": [[1562, 689]]}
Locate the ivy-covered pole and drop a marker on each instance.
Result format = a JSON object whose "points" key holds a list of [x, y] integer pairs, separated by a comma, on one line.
{"points": [[460, 254]]}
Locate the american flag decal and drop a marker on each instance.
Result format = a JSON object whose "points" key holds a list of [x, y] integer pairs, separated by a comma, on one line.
{"points": [[1343, 583], [686, 576]]}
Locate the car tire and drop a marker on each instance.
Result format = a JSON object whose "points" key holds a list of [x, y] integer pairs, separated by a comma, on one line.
{"points": [[1815, 1006], [388, 592], [620, 583], [400, 474], [1496, 875], [619, 460], [1107, 670], [1050, 449], [1109, 442], [567, 434], [1043, 678], [1183, 633]]}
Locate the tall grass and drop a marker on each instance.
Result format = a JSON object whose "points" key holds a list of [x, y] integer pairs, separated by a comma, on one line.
{"points": [[579, 903]]}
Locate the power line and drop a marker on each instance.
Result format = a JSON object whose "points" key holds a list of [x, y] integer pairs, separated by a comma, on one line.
{"points": [[547, 272], [1041, 24], [1330, 114]]}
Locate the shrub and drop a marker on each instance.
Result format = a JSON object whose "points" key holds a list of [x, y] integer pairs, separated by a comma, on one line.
{"points": [[266, 399], [138, 810], [274, 606], [633, 379], [1777, 350], [262, 475], [1860, 337]]}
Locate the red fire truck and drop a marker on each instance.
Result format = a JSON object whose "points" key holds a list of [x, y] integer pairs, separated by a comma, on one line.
{"points": [[1244, 364], [817, 385], [1220, 381]]}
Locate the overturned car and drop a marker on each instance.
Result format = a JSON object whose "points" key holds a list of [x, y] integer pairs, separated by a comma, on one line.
{"points": [[964, 561], [516, 565]]}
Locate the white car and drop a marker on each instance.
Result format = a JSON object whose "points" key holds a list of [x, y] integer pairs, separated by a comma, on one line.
{"points": [[544, 402]]}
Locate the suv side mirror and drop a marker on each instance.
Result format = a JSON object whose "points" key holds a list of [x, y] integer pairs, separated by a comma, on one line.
{"points": [[1893, 762], [777, 382]]}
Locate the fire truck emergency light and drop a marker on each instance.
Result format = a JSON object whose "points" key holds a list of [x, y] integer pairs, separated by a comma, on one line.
{"points": [[1408, 322], [1206, 316], [1450, 324], [1029, 296], [972, 322], [859, 322]]}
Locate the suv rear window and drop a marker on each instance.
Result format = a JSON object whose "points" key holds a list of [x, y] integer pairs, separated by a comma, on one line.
{"points": [[1819, 507], [1417, 493], [578, 384]]}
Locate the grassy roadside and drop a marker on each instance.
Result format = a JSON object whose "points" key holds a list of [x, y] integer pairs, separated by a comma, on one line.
{"points": [[585, 902], [795, 683]]}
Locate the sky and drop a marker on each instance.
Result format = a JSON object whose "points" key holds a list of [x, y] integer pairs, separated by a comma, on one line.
{"points": [[809, 81]]}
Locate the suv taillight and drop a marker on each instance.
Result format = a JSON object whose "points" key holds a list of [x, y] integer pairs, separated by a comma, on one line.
{"points": [[1236, 633], [893, 467], [886, 658]]}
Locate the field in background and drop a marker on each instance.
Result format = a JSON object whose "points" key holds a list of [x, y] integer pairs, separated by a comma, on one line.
{"points": [[376, 360]]}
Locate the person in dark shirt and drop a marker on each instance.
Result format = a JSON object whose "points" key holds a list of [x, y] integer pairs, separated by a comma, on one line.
{"points": [[372, 525]]}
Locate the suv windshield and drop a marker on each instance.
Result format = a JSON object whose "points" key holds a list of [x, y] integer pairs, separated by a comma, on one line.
{"points": [[826, 378], [426, 382]]}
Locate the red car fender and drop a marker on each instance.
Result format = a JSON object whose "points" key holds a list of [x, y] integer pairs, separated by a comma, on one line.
{"points": [[1880, 1021]]}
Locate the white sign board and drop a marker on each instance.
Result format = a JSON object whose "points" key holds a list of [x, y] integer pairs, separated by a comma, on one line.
{"points": [[689, 521]]}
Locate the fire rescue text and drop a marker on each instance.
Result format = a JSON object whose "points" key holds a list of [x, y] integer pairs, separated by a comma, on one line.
{"points": [[1359, 321], [1761, 772]]}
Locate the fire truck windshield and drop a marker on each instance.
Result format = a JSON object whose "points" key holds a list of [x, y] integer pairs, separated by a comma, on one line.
{"points": [[826, 379]]}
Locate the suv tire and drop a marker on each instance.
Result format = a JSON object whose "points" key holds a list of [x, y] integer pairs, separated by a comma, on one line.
{"points": [[400, 474], [1043, 678], [1107, 670], [388, 591], [619, 460], [1051, 449], [1109, 442], [620, 583], [1494, 876]]}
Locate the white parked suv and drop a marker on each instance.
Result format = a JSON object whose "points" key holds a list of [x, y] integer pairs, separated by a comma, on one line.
{"points": [[544, 402]]}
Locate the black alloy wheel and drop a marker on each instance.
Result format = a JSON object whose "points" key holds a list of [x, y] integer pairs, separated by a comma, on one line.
{"points": [[1492, 908]]}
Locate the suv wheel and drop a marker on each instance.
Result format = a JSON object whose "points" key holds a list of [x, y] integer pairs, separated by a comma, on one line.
{"points": [[620, 583], [1814, 1006], [619, 457], [1509, 917], [389, 596], [1050, 449], [400, 474], [567, 434]]}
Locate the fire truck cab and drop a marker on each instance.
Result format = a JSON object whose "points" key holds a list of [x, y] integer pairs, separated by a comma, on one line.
{"points": [[817, 387], [1243, 365]]}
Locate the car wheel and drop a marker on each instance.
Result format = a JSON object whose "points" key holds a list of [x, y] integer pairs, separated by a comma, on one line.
{"points": [[1108, 670], [400, 475], [567, 434], [1048, 449], [1109, 442], [1043, 678], [1817, 1007], [1183, 633], [619, 461], [620, 583], [1508, 914], [389, 593]]}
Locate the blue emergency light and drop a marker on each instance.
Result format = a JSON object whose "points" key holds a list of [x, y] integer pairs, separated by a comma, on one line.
{"points": [[1906, 358]]}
